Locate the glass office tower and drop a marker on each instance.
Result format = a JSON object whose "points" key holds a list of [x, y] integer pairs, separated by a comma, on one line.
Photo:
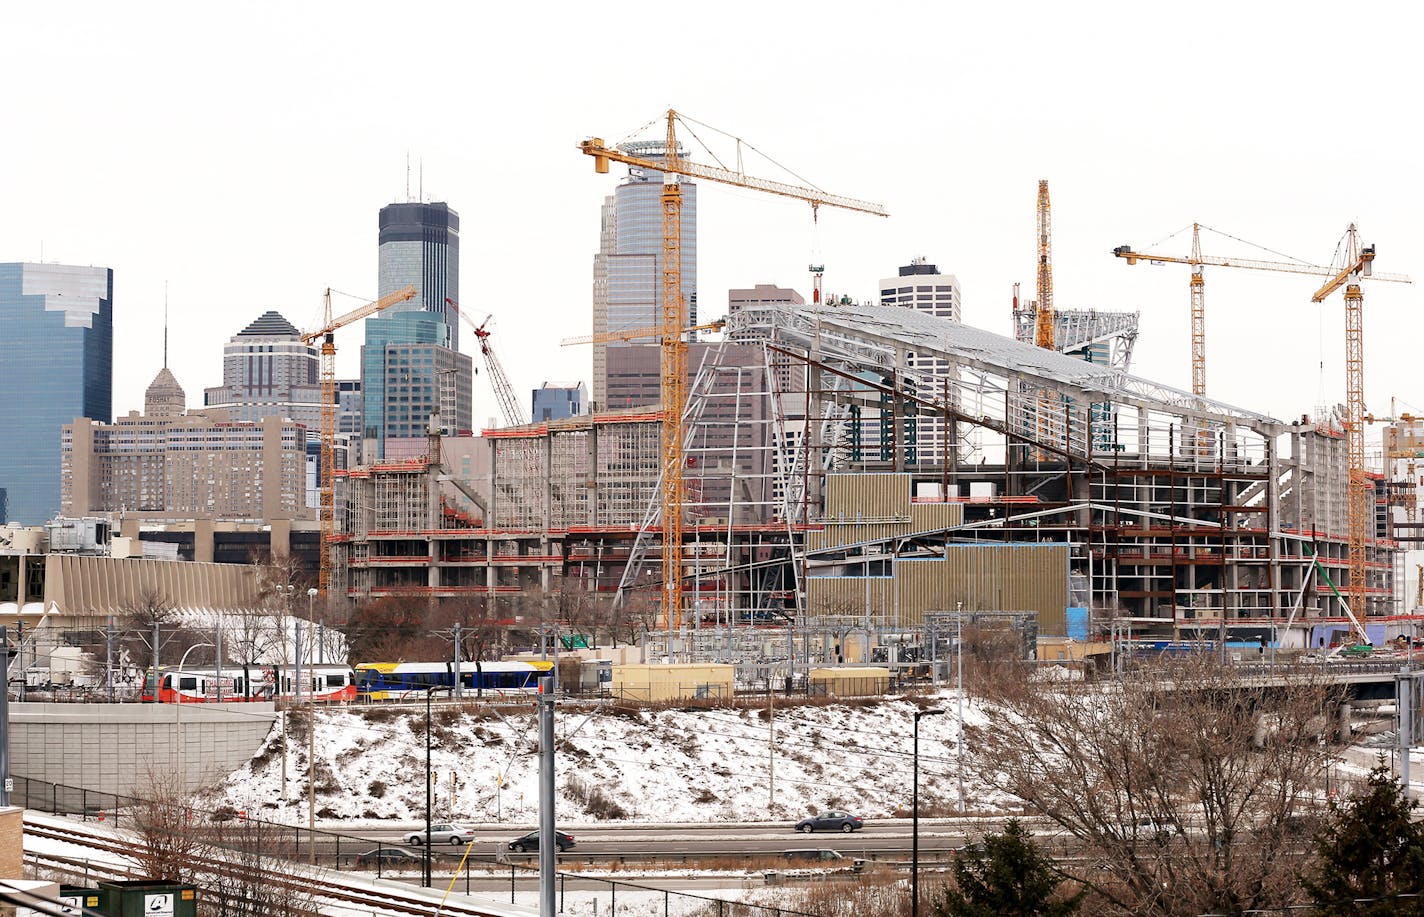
{"points": [[416, 339], [420, 247], [56, 365], [627, 271]]}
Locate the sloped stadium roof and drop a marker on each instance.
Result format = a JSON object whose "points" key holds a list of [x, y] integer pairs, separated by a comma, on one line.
{"points": [[896, 327]]}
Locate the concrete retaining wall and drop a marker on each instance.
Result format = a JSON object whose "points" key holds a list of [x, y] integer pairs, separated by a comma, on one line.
{"points": [[130, 748]]}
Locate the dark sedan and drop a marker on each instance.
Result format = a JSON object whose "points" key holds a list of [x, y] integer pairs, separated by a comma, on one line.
{"points": [[830, 821], [388, 857], [530, 841]]}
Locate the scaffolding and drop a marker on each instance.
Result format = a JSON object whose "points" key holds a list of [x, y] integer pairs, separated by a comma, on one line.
{"points": [[1176, 512]]}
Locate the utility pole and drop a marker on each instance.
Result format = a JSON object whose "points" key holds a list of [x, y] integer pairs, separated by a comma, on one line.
{"points": [[546, 798], [297, 661], [217, 656], [425, 871], [311, 782], [156, 679], [771, 748], [959, 682], [459, 688], [108, 658], [4, 716]]}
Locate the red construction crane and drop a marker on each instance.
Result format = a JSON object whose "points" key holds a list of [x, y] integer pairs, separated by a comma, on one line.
{"points": [[503, 391]]}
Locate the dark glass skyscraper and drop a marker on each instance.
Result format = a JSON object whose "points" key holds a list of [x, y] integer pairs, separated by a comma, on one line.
{"points": [[420, 247], [56, 364], [411, 366]]}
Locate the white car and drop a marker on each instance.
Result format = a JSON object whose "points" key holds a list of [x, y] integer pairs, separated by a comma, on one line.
{"points": [[444, 833]]}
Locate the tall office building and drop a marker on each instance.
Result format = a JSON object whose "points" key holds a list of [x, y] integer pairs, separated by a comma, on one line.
{"points": [[420, 247], [627, 271], [56, 364], [269, 371], [411, 367], [922, 287]]}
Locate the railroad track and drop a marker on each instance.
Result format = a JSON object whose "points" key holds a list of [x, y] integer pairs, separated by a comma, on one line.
{"points": [[285, 876]]}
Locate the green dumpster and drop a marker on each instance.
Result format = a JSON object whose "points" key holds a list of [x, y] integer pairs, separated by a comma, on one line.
{"points": [[149, 899], [75, 899]]}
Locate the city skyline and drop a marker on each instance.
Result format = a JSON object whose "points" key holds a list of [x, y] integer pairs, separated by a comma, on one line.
{"points": [[1038, 93]]}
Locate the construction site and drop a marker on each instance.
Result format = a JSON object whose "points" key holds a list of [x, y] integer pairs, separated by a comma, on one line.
{"points": [[853, 478]]}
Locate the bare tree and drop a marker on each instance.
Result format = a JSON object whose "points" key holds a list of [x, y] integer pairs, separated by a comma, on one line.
{"points": [[180, 839], [480, 630], [168, 839], [150, 611], [243, 888], [1183, 786]]}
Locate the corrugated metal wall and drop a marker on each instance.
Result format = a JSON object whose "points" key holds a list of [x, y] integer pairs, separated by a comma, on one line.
{"points": [[1014, 577], [867, 496], [81, 585], [1021, 577], [843, 595], [882, 497]]}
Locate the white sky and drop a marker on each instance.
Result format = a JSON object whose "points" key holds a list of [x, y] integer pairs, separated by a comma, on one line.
{"points": [[241, 156]]}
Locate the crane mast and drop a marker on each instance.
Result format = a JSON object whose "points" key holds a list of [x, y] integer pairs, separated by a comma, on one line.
{"points": [[326, 512], [1044, 329], [673, 362], [673, 382], [1358, 263], [1198, 286]]}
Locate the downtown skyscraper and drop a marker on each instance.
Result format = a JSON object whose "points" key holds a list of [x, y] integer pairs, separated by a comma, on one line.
{"points": [[411, 369], [627, 270], [56, 365]]}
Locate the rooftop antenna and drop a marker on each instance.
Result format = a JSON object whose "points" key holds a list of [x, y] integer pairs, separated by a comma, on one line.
{"points": [[165, 324], [407, 176], [421, 180]]}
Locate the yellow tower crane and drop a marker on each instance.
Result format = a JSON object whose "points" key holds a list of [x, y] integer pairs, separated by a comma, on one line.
{"points": [[1357, 264], [327, 334], [1044, 328], [674, 318], [1196, 260]]}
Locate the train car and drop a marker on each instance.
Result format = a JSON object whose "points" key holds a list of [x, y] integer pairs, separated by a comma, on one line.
{"points": [[410, 680], [321, 683]]}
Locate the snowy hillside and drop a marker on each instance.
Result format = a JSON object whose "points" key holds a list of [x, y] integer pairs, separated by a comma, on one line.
{"points": [[613, 763]]}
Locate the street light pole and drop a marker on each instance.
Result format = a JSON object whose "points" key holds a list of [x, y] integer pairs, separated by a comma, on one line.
{"points": [[959, 685], [429, 692], [915, 817]]}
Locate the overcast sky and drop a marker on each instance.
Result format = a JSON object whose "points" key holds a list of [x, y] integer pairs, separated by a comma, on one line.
{"points": [[240, 153]]}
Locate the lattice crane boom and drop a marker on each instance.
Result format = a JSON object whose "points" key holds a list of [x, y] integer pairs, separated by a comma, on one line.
{"points": [[327, 334], [674, 319], [1044, 327], [1196, 260], [499, 381], [631, 334]]}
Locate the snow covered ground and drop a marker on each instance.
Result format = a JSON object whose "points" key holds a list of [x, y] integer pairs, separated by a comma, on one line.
{"points": [[614, 763]]}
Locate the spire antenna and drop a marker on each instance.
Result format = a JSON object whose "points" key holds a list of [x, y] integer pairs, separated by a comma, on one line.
{"points": [[165, 324]]}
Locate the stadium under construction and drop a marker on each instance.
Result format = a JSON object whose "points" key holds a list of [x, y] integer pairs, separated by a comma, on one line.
{"points": [[873, 469]]}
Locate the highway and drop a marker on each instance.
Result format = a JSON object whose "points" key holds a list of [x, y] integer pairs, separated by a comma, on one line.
{"points": [[887, 840]]}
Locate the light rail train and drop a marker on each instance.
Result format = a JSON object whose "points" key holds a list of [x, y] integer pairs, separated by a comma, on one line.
{"points": [[321, 683], [408, 680]]}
